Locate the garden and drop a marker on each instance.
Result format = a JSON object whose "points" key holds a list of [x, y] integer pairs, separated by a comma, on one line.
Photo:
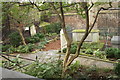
{"points": [[41, 40], [96, 49]]}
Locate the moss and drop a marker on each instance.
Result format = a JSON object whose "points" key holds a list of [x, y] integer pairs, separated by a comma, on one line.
{"points": [[66, 14], [44, 24], [83, 30]]}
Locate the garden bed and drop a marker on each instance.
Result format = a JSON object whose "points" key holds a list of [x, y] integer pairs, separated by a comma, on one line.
{"points": [[34, 43], [96, 50]]}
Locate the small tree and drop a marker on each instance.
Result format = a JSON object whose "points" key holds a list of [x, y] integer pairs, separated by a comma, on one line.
{"points": [[84, 6], [20, 18]]}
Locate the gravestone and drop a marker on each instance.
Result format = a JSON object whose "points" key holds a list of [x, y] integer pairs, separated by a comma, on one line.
{"points": [[32, 30], [76, 35], [63, 40], [115, 41], [79, 33]]}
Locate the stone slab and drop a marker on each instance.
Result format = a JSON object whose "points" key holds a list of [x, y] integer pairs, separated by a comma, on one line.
{"points": [[9, 74]]}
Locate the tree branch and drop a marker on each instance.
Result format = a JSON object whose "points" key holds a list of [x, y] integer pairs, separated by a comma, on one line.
{"points": [[95, 19], [55, 10], [110, 6], [50, 8], [35, 5], [91, 6], [19, 57], [11, 61], [83, 38]]}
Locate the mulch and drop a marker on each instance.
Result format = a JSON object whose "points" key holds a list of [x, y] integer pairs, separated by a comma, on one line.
{"points": [[53, 45]]}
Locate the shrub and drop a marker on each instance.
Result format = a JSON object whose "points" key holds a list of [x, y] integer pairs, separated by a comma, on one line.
{"points": [[22, 48], [5, 47], [117, 54], [42, 44], [17, 61], [110, 52], [117, 69], [72, 50], [64, 50], [100, 54], [89, 51], [89, 46], [85, 45], [11, 49], [53, 28], [25, 48], [15, 39], [36, 38], [50, 34], [40, 35], [45, 70], [74, 67], [96, 45]]}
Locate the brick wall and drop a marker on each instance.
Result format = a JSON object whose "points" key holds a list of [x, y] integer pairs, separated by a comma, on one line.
{"points": [[74, 21]]}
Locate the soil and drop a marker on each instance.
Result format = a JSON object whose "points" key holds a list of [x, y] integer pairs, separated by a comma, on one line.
{"points": [[54, 45]]}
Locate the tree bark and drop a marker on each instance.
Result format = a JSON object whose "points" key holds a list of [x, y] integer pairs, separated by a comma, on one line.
{"points": [[22, 37]]}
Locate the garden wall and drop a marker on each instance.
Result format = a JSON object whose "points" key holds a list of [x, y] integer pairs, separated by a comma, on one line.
{"points": [[73, 20], [109, 22]]}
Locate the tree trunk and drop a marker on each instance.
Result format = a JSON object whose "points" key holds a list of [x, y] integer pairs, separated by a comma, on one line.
{"points": [[68, 60], [6, 28], [21, 34]]}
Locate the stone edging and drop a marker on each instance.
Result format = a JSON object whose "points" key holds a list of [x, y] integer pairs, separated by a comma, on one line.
{"points": [[91, 61], [83, 56], [97, 59]]}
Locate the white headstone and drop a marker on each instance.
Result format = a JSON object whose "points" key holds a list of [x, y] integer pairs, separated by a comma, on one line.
{"points": [[26, 28], [32, 30], [63, 40], [115, 40]]}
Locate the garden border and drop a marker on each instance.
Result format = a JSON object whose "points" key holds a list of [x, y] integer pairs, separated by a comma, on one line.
{"points": [[94, 61]]}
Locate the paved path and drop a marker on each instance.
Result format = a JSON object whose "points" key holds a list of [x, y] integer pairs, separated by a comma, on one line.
{"points": [[46, 56]]}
